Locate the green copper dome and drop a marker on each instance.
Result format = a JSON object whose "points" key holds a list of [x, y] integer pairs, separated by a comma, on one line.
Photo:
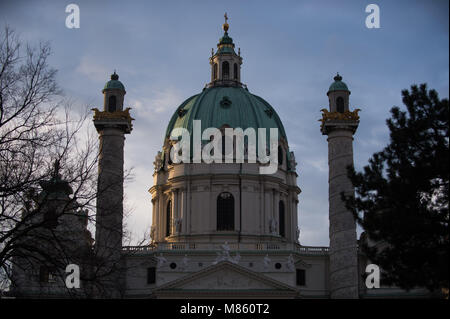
{"points": [[338, 85], [226, 39], [225, 103], [114, 83], [231, 106], [225, 45], [225, 49]]}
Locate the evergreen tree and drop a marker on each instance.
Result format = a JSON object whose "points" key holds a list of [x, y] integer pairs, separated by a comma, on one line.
{"points": [[402, 195]]}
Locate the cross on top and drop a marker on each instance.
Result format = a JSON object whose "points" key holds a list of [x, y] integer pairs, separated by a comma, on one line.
{"points": [[226, 17]]}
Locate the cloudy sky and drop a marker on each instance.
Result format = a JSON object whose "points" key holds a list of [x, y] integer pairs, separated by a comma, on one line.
{"points": [[291, 51]]}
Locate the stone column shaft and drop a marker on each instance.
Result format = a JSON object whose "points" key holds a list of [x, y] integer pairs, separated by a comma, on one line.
{"points": [[156, 217], [110, 193], [183, 211], [343, 241], [276, 215], [174, 210]]}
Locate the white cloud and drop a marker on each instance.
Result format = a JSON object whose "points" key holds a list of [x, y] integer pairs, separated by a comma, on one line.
{"points": [[320, 164], [92, 69], [157, 101]]}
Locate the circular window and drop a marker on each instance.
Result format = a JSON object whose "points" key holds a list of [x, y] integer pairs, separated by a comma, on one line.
{"points": [[173, 265], [277, 266]]}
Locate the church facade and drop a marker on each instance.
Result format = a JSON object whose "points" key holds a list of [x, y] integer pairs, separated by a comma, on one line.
{"points": [[224, 230]]}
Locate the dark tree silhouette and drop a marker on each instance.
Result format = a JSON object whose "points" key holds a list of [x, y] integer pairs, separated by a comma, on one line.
{"points": [[402, 195], [48, 178]]}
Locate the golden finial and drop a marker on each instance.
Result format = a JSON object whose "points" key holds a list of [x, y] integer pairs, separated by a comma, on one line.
{"points": [[225, 25]]}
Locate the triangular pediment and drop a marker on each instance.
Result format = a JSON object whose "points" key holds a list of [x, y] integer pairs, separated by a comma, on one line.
{"points": [[302, 264], [226, 276]]}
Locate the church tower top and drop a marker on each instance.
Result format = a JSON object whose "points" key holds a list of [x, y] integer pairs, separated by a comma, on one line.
{"points": [[338, 85], [225, 63], [114, 83]]}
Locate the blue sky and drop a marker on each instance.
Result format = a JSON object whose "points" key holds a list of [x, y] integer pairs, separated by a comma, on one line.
{"points": [[291, 51]]}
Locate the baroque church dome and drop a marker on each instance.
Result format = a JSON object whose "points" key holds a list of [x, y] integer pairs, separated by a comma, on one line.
{"points": [[221, 106], [226, 101]]}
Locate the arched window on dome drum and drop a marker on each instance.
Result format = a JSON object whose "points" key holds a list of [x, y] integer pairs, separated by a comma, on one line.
{"points": [[225, 70], [169, 218], [112, 103], [280, 155], [340, 104], [235, 71], [225, 211], [215, 71], [281, 219]]}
